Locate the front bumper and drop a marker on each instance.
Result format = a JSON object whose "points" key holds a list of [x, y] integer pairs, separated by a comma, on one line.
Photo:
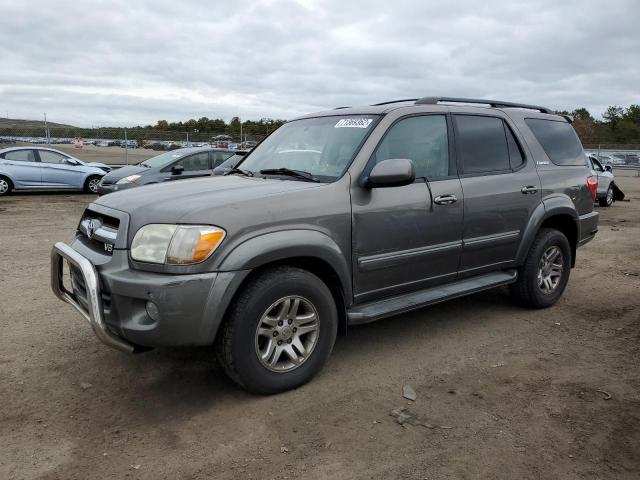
{"points": [[115, 299]]}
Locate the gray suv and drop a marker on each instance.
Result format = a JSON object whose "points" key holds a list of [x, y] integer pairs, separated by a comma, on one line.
{"points": [[336, 219]]}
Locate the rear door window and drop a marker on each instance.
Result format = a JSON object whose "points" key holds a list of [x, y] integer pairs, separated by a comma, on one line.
{"points": [[218, 157], [482, 144], [199, 161], [20, 156], [559, 141]]}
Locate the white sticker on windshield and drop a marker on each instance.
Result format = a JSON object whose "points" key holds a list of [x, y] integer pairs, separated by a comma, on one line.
{"points": [[354, 123]]}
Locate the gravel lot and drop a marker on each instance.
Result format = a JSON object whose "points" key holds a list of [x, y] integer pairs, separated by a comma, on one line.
{"points": [[523, 393]]}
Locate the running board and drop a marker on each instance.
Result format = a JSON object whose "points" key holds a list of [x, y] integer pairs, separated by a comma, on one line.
{"points": [[372, 311]]}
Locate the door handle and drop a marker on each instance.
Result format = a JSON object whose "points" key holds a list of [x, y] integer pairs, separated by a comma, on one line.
{"points": [[529, 189], [445, 199]]}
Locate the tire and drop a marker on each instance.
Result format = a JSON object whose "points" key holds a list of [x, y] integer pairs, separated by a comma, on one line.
{"points": [[607, 200], [5, 186], [532, 289], [250, 329], [91, 184]]}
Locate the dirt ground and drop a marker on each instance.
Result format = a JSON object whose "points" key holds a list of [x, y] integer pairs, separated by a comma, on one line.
{"points": [[508, 393]]}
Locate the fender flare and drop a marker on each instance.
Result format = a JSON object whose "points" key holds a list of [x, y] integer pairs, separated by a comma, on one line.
{"points": [[549, 207], [281, 245]]}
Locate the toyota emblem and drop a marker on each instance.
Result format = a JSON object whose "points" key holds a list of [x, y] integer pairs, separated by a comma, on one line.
{"points": [[91, 228]]}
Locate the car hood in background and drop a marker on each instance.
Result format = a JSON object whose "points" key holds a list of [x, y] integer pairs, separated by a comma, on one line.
{"points": [[98, 165], [115, 175]]}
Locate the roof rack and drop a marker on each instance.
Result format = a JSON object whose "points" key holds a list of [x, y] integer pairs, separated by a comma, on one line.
{"points": [[492, 103], [395, 101]]}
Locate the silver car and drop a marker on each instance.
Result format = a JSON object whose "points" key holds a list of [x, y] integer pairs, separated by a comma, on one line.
{"points": [[607, 190], [26, 168]]}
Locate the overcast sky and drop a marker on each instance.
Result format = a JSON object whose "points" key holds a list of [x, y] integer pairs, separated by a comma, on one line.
{"points": [[135, 62]]}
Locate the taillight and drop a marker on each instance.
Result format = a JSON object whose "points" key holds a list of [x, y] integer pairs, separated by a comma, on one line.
{"points": [[592, 183]]}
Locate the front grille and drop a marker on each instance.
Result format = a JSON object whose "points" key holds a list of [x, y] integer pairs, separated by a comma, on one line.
{"points": [[98, 231], [80, 290]]}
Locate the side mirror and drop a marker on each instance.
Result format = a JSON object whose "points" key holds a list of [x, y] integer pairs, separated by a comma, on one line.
{"points": [[70, 161], [394, 172], [608, 168], [177, 170]]}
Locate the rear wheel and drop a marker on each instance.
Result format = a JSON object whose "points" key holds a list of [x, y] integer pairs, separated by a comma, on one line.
{"points": [[607, 200], [544, 276], [5, 186], [91, 185], [279, 331]]}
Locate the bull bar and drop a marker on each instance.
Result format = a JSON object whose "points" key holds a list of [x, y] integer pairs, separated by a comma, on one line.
{"points": [[94, 314]]}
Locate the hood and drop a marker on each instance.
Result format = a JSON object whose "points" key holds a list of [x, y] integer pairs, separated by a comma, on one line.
{"points": [[115, 175], [193, 201], [98, 165]]}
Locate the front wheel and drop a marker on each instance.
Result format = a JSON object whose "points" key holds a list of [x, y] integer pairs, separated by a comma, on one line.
{"points": [[91, 185], [545, 273], [279, 332], [607, 200]]}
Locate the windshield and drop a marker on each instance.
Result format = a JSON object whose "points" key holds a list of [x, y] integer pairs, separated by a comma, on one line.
{"points": [[161, 160], [322, 146]]}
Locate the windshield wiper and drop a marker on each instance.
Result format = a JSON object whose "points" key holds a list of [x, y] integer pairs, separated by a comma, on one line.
{"points": [[246, 173], [292, 173]]}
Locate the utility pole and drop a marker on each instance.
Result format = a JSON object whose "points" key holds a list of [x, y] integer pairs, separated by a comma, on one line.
{"points": [[46, 129], [126, 148]]}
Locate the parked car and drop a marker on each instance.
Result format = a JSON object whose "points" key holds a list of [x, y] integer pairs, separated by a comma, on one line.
{"points": [[179, 164], [632, 159], [26, 168], [608, 191], [397, 213], [155, 146], [230, 163], [129, 144]]}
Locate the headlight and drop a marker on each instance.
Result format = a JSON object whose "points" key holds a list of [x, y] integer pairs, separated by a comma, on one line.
{"points": [[175, 244], [129, 179]]}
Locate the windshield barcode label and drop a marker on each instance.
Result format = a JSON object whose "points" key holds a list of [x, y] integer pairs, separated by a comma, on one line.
{"points": [[354, 123]]}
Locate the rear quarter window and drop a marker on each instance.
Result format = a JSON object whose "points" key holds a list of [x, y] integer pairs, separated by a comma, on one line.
{"points": [[559, 141]]}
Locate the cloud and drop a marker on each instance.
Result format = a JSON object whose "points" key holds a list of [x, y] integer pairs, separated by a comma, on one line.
{"points": [[126, 63]]}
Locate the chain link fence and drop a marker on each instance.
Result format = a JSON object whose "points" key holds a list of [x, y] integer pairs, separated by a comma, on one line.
{"points": [[123, 146]]}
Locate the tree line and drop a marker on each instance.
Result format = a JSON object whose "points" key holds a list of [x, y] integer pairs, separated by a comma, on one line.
{"points": [[619, 126], [262, 127]]}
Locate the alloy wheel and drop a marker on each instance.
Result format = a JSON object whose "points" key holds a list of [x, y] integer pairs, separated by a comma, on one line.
{"points": [[609, 198], [93, 185], [287, 334], [4, 186], [550, 269]]}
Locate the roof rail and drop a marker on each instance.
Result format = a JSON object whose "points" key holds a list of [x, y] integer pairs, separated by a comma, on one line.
{"points": [[340, 108], [395, 101], [492, 103]]}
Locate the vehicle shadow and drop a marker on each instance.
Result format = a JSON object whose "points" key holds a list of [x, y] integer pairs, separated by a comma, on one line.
{"points": [[181, 382]]}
